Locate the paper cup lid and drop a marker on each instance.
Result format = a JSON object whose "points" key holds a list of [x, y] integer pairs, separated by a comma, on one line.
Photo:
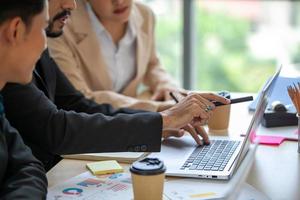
{"points": [[148, 166], [225, 94]]}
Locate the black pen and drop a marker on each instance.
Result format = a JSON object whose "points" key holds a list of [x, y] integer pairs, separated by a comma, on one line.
{"points": [[173, 97], [235, 100]]}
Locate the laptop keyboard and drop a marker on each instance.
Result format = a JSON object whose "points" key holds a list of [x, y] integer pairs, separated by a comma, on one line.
{"points": [[213, 157]]}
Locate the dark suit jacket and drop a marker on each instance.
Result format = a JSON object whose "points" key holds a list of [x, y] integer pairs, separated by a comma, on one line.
{"points": [[54, 119], [21, 175]]}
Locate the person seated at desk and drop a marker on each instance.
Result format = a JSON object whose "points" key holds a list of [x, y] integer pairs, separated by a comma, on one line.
{"points": [[108, 51], [22, 23], [55, 119]]}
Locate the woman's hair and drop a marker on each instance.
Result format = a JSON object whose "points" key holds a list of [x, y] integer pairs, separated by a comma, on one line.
{"points": [[25, 9]]}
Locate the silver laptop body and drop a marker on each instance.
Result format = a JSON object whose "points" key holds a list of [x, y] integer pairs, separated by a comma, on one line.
{"points": [[218, 160]]}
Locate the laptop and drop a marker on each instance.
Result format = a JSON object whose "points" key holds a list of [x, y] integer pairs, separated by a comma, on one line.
{"points": [[222, 157]]}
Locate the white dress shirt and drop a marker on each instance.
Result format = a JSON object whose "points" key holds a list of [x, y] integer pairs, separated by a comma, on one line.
{"points": [[120, 59]]}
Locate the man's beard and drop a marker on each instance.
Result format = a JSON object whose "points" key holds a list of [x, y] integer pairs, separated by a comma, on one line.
{"points": [[51, 33], [49, 29]]}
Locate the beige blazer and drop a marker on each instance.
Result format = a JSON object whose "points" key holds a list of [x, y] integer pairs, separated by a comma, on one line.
{"points": [[79, 56]]}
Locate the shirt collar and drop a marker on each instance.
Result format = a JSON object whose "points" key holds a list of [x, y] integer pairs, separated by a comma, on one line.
{"points": [[100, 29]]}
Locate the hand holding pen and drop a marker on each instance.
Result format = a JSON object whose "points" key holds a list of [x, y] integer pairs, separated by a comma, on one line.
{"points": [[191, 113], [177, 96], [195, 127]]}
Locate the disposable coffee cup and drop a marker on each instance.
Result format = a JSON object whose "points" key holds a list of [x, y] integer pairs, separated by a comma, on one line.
{"points": [[219, 121], [148, 177]]}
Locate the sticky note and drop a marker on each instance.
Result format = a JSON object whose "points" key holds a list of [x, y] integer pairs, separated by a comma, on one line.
{"points": [[104, 167], [270, 140]]}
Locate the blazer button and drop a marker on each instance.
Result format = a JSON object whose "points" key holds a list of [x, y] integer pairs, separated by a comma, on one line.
{"points": [[137, 148], [144, 148]]}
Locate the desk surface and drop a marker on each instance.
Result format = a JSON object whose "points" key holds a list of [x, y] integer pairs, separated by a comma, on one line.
{"points": [[275, 172]]}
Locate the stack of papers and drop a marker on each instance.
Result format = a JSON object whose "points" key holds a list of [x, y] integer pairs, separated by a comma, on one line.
{"points": [[118, 186]]}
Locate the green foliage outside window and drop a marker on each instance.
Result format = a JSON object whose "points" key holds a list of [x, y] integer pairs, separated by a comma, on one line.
{"points": [[169, 44], [223, 60], [229, 64]]}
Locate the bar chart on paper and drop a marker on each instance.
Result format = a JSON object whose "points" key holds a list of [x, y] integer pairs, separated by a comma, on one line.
{"points": [[88, 186]]}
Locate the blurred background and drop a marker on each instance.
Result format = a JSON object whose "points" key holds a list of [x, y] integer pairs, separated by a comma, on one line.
{"points": [[235, 45]]}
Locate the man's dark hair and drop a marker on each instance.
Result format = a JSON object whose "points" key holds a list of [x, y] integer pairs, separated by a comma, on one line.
{"points": [[25, 9]]}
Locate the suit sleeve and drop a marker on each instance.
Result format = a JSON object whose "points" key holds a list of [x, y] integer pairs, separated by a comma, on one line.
{"points": [[67, 132], [68, 64], [25, 176]]}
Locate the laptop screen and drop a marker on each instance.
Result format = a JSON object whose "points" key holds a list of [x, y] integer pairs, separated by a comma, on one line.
{"points": [[257, 117]]}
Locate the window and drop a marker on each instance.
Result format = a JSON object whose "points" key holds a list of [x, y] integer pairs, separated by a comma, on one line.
{"points": [[168, 31], [238, 44]]}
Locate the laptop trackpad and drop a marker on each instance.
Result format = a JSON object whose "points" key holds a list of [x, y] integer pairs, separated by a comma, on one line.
{"points": [[176, 150]]}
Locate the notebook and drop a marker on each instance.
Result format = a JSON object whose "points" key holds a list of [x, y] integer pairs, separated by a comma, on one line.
{"points": [[124, 157]]}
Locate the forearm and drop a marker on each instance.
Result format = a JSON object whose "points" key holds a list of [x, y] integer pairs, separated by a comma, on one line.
{"points": [[118, 101], [114, 134], [66, 132], [68, 98], [106, 104]]}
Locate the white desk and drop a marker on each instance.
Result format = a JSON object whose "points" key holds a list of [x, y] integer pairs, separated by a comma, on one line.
{"points": [[276, 170]]}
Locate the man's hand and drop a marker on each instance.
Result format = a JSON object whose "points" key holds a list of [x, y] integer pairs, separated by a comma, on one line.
{"points": [[190, 114]]}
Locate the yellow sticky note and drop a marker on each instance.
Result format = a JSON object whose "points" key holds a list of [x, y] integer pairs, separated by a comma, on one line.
{"points": [[105, 167]]}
